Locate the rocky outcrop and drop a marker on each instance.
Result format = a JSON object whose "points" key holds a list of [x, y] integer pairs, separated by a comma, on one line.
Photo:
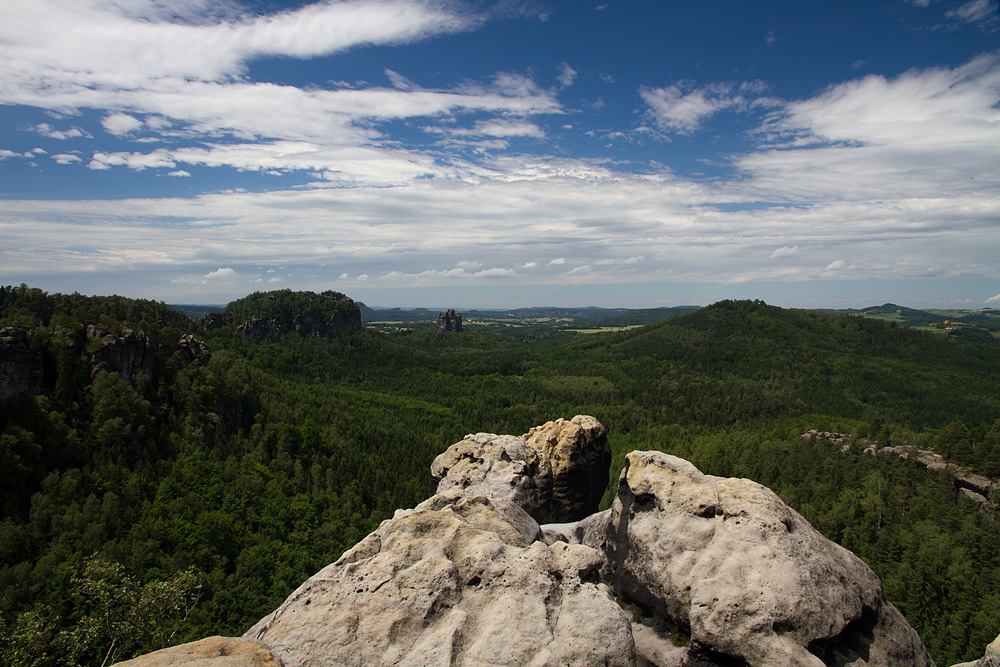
{"points": [[684, 570], [726, 563], [580, 457], [453, 581], [209, 652], [20, 369], [128, 353], [977, 488], [449, 321], [307, 325], [557, 472], [192, 350]]}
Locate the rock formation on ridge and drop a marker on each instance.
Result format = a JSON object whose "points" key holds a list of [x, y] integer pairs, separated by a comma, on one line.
{"points": [[556, 472], [20, 368], [125, 354], [449, 320], [283, 311], [684, 570]]}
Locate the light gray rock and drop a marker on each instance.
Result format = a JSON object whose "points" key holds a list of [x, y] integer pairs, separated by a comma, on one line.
{"points": [[209, 652], [452, 582], [495, 466], [591, 531], [557, 472], [726, 562]]}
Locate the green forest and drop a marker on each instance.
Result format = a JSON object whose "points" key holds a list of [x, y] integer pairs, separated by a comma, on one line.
{"points": [[190, 498]]}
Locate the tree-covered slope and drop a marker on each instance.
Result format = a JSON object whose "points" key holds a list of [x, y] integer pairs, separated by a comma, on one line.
{"points": [[262, 463]]}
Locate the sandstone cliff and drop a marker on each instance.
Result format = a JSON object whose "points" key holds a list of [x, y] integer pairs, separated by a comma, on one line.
{"points": [[20, 368], [283, 311], [449, 320], [684, 569]]}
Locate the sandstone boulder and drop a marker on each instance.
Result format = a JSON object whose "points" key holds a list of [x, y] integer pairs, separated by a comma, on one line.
{"points": [[209, 652], [556, 472], [579, 455], [728, 564], [452, 582]]}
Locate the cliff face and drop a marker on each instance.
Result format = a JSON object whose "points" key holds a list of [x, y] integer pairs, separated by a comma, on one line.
{"points": [[685, 569], [449, 321], [284, 311], [20, 369]]}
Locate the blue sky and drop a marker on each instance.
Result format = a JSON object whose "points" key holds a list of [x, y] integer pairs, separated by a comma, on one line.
{"points": [[514, 153]]}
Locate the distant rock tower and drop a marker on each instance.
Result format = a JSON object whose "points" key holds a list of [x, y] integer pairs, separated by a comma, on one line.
{"points": [[449, 320]]}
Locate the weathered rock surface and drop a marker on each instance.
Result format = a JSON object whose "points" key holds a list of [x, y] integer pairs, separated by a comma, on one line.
{"points": [[449, 321], [209, 652], [193, 350], [726, 562], [684, 570], [452, 582], [580, 456], [990, 659], [557, 472], [328, 313], [20, 369], [126, 354]]}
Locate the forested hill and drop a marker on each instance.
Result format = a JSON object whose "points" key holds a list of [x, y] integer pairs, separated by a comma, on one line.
{"points": [[251, 467], [746, 360]]}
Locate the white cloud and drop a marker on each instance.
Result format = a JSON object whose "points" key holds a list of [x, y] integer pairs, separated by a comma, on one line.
{"points": [[399, 81], [923, 134], [7, 153], [180, 173], [221, 273], [177, 70], [342, 276], [557, 261], [48, 131], [567, 75], [137, 161], [679, 110], [121, 124], [785, 251], [66, 158], [503, 128], [974, 11], [117, 45], [993, 299]]}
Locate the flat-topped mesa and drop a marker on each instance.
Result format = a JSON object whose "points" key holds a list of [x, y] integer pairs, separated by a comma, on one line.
{"points": [[556, 472]]}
